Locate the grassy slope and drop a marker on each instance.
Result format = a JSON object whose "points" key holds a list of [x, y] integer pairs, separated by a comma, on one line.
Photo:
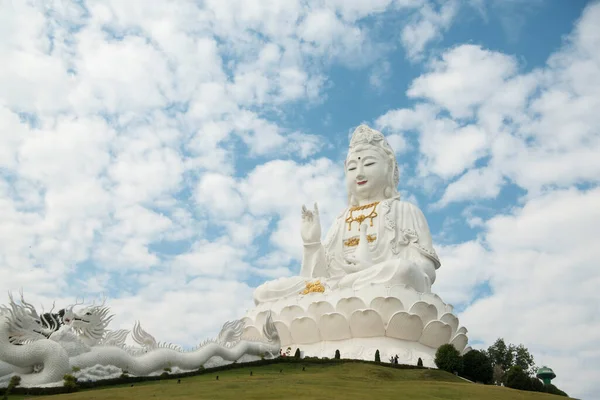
{"points": [[346, 381]]}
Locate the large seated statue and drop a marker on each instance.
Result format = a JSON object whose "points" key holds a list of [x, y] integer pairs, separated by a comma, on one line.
{"points": [[369, 282]]}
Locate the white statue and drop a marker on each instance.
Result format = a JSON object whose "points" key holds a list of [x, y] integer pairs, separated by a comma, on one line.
{"points": [[377, 263], [377, 239], [31, 347]]}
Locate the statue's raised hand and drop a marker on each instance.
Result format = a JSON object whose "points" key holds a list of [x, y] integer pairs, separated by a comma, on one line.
{"points": [[311, 225]]}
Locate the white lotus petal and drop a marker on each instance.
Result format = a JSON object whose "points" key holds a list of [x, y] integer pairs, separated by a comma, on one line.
{"points": [[349, 305], [368, 293], [427, 312], [386, 307], [304, 330], [366, 323], [334, 326], [319, 308], [434, 299], [284, 333], [451, 320], [251, 332], [466, 350], [405, 326], [462, 329], [435, 334], [459, 342], [288, 313], [261, 317], [405, 294]]}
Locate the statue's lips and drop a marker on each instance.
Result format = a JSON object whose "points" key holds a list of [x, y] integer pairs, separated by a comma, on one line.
{"points": [[361, 183]]}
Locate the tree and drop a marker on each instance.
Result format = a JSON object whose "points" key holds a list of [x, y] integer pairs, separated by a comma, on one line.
{"points": [[524, 359], [377, 357], [337, 354], [516, 378], [297, 353], [419, 362], [498, 375], [447, 358], [478, 367], [501, 354]]}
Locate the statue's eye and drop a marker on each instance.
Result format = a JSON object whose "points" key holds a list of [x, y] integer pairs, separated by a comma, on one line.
{"points": [[369, 164], [351, 168]]}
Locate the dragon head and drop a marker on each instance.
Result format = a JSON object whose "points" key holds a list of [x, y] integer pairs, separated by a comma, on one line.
{"points": [[24, 323], [90, 321]]}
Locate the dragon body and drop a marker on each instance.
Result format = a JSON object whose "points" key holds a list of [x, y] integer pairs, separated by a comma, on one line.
{"points": [[42, 355]]}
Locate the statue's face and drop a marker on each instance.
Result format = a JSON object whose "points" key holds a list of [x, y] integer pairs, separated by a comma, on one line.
{"points": [[366, 174]]}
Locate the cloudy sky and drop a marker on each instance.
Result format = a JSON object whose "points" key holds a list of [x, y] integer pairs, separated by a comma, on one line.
{"points": [[159, 152]]}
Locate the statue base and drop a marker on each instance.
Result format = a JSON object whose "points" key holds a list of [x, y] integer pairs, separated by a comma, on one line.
{"points": [[396, 320], [365, 349]]}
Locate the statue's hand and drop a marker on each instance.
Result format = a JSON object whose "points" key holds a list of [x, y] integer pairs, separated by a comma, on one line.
{"points": [[353, 264], [311, 225]]}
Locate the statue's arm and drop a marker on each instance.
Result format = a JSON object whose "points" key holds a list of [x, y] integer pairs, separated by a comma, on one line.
{"points": [[314, 261], [421, 247]]}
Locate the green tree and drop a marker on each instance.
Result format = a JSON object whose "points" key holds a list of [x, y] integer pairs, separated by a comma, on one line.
{"points": [[377, 357], [297, 353], [498, 375], [501, 354], [524, 359], [447, 358], [337, 355], [516, 378], [419, 362], [478, 367]]}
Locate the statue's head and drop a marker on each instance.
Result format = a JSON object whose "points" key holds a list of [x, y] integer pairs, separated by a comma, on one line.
{"points": [[371, 167]]}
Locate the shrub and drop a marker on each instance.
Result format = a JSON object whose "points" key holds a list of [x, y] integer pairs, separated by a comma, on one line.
{"points": [[337, 355], [70, 383], [447, 358], [419, 362], [164, 375], [76, 369], [167, 369], [536, 384], [554, 390], [13, 383], [297, 353], [377, 357], [478, 367]]}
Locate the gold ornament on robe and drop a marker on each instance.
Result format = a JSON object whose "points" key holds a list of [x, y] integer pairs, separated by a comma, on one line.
{"points": [[354, 241], [313, 287], [360, 218]]}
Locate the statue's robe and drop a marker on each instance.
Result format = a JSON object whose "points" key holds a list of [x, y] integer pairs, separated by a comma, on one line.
{"points": [[401, 254]]}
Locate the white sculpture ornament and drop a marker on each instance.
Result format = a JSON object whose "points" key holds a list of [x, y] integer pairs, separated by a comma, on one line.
{"points": [[32, 348], [367, 287]]}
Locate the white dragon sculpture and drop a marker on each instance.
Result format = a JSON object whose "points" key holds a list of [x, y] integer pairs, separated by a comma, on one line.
{"points": [[32, 347]]}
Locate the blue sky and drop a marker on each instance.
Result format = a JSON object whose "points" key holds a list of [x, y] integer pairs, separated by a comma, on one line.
{"points": [[160, 153]]}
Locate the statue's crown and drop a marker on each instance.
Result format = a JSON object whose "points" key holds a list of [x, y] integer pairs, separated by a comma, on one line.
{"points": [[365, 135]]}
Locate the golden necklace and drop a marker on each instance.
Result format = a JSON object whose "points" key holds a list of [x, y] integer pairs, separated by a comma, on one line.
{"points": [[360, 218]]}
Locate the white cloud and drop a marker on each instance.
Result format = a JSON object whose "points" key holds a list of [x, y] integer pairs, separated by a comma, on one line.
{"points": [[463, 78], [426, 26], [542, 288], [380, 74]]}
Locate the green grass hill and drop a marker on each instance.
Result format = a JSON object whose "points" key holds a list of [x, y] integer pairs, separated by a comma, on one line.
{"points": [[318, 381]]}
